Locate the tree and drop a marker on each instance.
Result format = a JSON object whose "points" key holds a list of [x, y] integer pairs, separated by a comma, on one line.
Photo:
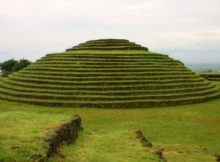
{"points": [[7, 67], [21, 64], [12, 65]]}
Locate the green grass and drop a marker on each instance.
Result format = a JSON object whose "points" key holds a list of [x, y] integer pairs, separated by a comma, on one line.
{"points": [[109, 52], [211, 76], [108, 45], [169, 77], [77, 75], [108, 135], [110, 87], [106, 82], [211, 73], [185, 133], [216, 83]]}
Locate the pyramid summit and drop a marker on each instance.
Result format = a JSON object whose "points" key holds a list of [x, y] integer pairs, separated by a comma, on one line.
{"points": [[107, 73], [108, 44]]}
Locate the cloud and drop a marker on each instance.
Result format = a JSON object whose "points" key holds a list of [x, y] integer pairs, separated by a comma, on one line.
{"points": [[30, 28]]}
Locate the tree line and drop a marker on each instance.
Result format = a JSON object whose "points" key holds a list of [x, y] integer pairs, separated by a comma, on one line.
{"points": [[13, 65]]}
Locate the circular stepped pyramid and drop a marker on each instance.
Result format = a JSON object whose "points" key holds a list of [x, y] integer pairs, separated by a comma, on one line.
{"points": [[107, 73]]}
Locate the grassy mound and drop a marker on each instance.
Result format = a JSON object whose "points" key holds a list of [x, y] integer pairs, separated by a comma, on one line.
{"points": [[107, 73]]}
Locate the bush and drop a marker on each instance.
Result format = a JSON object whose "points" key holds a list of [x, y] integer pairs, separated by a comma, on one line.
{"points": [[12, 65], [21, 64]]}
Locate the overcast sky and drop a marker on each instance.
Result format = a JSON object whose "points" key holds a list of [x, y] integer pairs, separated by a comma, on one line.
{"points": [[188, 30]]}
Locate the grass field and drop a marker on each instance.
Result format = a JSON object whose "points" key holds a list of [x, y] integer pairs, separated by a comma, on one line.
{"points": [[186, 133]]}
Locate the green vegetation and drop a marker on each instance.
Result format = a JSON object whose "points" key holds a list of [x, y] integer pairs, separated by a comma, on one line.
{"points": [[127, 76], [185, 132], [211, 76], [23, 131], [217, 83], [121, 74], [12, 65], [108, 44]]}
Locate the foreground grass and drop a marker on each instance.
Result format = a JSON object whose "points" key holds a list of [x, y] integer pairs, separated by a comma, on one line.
{"points": [[186, 133], [23, 131]]}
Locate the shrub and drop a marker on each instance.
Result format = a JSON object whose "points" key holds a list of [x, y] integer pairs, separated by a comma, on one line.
{"points": [[21, 64], [12, 65]]}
